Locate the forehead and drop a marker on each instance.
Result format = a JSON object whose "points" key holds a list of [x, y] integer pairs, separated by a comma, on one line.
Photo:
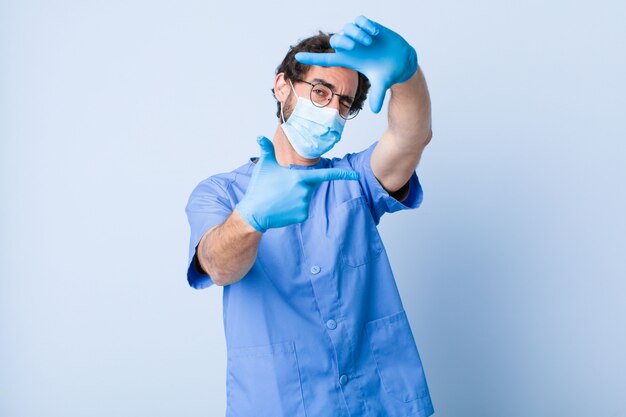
{"points": [[345, 80]]}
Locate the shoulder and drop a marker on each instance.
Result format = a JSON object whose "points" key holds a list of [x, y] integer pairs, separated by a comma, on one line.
{"points": [[354, 160], [224, 179], [217, 185]]}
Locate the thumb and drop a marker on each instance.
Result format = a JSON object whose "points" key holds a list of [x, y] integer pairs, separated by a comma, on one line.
{"points": [[377, 96], [329, 174], [267, 149]]}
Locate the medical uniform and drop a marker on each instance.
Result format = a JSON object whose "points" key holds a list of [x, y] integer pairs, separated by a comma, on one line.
{"points": [[317, 326]]}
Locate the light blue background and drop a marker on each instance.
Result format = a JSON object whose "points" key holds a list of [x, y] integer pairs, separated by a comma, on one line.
{"points": [[512, 272]]}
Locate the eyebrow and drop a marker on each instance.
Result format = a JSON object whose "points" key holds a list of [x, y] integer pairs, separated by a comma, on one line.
{"points": [[332, 87]]}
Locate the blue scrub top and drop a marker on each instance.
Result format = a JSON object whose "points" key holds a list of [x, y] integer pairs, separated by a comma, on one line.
{"points": [[316, 327]]}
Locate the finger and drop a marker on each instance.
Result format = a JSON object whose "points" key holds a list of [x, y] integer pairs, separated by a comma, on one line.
{"points": [[357, 34], [367, 25], [377, 96], [341, 41], [267, 149], [329, 174], [324, 60]]}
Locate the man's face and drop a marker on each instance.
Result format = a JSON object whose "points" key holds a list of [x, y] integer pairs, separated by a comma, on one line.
{"points": [[342, 81]]}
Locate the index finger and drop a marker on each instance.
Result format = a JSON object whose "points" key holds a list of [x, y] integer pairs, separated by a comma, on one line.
{"points": [[329, 59], [329, 174]]}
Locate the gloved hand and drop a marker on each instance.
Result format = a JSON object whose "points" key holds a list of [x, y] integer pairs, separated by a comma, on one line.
{"points": [[278, 196], [380, 54]]}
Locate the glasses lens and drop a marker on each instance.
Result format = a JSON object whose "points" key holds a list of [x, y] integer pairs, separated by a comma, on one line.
{"points": [[321, 95], [351, 114]]}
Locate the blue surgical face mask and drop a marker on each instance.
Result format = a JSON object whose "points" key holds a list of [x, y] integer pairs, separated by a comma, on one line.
{"points": [[312, 130]]}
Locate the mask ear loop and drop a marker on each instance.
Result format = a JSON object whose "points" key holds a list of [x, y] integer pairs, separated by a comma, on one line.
{"points": [[281, 103]]}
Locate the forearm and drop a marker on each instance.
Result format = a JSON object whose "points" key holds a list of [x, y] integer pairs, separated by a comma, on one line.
{"points": [[228, 251], [409, 118]]}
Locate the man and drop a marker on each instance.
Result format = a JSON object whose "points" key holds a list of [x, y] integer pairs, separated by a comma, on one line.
{"points": [[313, 320]]}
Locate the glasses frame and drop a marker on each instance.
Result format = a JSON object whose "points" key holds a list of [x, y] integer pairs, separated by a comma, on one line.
{"points": [[352, 113]]}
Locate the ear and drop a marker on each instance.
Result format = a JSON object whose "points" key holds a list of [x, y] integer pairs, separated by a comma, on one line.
{"points": [[281, 87]]}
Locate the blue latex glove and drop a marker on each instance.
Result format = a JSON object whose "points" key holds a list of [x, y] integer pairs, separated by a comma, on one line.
{"points": [[380, 54], [278, 196]]}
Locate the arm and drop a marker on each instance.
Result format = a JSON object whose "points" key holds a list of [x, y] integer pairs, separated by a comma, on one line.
{"points": [[228, 251], [275, 197], [409, 131], [388, 61]]}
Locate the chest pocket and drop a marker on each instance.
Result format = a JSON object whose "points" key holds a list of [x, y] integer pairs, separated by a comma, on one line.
{"points": [[358, 237]]}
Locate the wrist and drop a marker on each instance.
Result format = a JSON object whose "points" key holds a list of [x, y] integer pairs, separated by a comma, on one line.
{"points": [[408, 86], [246, 221], [410, 66]]}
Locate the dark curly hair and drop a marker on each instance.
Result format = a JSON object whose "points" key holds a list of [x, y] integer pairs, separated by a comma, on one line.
{"points": [[296, 70]]}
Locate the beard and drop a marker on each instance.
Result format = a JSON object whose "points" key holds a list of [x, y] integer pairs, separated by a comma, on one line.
{"points": [[289, 105]]}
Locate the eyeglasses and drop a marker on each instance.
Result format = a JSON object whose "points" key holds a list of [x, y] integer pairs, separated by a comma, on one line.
{"points": [[321, 96]]}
